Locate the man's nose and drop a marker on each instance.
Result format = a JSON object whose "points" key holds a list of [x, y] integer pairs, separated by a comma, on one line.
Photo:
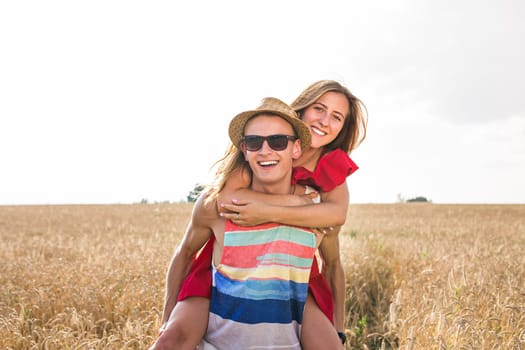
{"points": [[265, 148]]}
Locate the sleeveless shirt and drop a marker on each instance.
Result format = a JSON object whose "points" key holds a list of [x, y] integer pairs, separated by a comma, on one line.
{"points": [[260, 286]]}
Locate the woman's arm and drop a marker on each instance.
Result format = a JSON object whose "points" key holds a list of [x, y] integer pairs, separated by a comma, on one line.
{"points": [[255, 208], [237, 187]]}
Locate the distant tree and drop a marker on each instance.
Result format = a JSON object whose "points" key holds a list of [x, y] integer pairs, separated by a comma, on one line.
{"points": [[194, 194], [418, 199]]}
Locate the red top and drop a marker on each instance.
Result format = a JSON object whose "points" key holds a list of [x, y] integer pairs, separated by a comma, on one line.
{"points": [[331, 171]]}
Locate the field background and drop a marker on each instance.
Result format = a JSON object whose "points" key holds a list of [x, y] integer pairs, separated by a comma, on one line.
{"points": [[419, 276]]}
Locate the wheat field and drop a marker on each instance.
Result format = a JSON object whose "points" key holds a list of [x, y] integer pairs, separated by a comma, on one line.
{"points": [[418, 276]]}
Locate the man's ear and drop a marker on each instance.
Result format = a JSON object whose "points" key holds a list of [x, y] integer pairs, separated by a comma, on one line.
{"points": [[297, 151], [242, 147]]}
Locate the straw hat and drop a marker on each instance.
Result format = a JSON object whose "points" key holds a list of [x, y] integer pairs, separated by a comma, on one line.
{"points": [[270, 105]]}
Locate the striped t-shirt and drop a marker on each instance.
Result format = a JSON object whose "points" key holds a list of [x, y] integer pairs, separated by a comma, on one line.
{"points": [[260, 287]]}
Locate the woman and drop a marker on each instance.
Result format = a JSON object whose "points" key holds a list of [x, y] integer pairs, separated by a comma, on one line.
{"points": [[337, 122]]}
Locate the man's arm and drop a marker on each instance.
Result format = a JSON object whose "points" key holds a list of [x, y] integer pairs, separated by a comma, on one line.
{"points": [[335, 276], [197, 234]]}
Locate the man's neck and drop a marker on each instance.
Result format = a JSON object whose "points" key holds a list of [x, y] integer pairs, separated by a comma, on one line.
{"points": [[284, 188]]}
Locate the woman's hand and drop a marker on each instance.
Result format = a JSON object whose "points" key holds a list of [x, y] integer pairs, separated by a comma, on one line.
{"points": [[245, 212], [306, 194]]}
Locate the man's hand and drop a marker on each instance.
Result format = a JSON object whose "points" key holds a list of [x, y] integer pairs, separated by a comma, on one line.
{"points": [[162, 329], [322, 230]]}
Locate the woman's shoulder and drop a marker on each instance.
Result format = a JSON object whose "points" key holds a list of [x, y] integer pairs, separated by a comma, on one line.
{"points": [[338, 164], [332, 169]]}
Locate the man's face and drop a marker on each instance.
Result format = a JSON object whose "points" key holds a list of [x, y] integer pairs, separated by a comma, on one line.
{"points": [[270, 167]]}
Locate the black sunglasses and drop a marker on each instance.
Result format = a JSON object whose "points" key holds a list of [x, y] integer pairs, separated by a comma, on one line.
{"points": [[276, 142]]}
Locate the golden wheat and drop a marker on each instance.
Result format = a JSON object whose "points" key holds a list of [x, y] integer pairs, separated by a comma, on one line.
{"points": [[432, 276], [419, 276]]}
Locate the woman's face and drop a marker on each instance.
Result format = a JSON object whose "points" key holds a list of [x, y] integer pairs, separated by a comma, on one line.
{"points": [[325, 118]]}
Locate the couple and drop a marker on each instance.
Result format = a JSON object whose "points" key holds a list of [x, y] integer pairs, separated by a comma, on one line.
{"points": [[265, 276]]}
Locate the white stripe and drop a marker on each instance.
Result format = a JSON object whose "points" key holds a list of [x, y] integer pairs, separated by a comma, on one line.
{"points": [[230, 335]]}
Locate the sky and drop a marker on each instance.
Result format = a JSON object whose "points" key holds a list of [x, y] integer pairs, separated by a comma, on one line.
{"points": [[119, 101]]}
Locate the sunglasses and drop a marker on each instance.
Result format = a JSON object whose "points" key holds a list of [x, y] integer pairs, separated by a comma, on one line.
{"points": [[276, 142]]}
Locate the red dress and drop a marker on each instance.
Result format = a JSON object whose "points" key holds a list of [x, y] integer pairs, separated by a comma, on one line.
{"points": [[331, 171]]}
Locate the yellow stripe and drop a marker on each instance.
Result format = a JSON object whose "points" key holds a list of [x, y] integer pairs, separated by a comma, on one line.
{"points": [[263, 272]]}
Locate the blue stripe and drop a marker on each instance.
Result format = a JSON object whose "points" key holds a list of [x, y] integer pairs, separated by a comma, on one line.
{"points": [[286, 233], [261, 289], [284, 259], [254, 311]]}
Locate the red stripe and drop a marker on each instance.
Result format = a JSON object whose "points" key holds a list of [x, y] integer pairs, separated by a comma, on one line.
{"points": [[246, 256]]}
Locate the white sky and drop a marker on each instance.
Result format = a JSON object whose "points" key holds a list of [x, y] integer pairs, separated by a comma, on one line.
{"points": [[115, 101]]}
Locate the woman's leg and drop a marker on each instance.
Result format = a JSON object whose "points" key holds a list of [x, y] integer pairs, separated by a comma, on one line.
{"points": [[186, 326], [317, 331]]}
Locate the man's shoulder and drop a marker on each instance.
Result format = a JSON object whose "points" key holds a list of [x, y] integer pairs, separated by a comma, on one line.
{"points": [[205, 211]]}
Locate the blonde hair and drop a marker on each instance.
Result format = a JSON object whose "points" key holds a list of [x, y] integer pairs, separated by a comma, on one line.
{"points": [[354, 128], [233, 159]]}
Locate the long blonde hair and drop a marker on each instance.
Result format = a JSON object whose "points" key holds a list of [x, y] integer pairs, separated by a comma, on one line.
{"points": [[233, 159], [354, 128]]}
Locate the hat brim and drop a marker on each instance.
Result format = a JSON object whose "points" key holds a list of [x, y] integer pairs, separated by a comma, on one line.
{"points": [[236, 128]]}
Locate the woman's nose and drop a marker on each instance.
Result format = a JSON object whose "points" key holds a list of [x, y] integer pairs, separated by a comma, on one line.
{"points": [[323, 119]]}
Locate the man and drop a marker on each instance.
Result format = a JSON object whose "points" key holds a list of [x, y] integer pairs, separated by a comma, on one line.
{"points": [[260, 275]]}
